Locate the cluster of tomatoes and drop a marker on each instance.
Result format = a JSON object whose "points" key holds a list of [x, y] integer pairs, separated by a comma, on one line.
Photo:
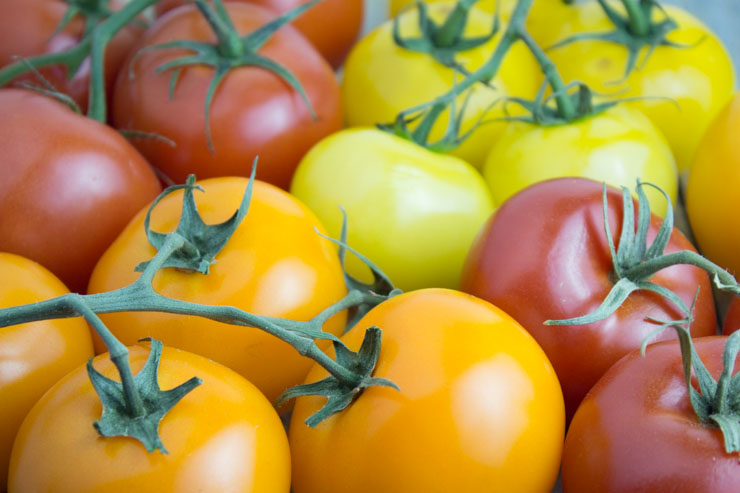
{"points": [[491, 239]]}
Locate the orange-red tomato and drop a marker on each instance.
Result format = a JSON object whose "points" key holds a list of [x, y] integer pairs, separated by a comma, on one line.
{"points": [[275, 265], [222, 436], [480, 406], [33, 356]]}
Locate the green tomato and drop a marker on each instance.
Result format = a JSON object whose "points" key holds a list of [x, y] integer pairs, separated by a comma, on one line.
{"points": [[617, 146], [413, 212]]}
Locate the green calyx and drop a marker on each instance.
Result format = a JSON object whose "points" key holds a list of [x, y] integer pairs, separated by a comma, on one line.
{"points": [[231, 51], [443, 41]]}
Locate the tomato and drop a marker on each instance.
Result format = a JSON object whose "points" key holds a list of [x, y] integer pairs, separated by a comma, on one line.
{"points": [[711, 191], [254, 112], [544, 256], [413, 212], [637, 431], [274, 265], [617, 146], [381, 79], [479, 406], [69, 185], [331, 25], [27, 27], [732, 317], [222, 436], [33, 356], [682, 88]]}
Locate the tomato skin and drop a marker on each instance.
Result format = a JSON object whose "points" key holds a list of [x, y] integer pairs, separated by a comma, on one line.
{"points": [[683, 89], [413, 212], [254, 112], [331, 25], [732, 317], [711, 191], [222, 436], [636, 430], [274, 265], [33, 356], [617, 146], [69, 185], [544, 256], [479, 406], [27, 27], [381, 79]]}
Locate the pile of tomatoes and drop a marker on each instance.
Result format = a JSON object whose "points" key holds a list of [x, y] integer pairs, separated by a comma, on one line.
{"points": [[514, 227]]}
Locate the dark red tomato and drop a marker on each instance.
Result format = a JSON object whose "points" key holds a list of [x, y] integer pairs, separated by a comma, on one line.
{"points": [[331, 26], [254, 112], [68, 185], [732, 318], [26, 28], [544, 255], [636, 429]]}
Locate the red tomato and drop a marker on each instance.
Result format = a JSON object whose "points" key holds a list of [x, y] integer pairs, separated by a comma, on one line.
{"points": [[254, 112], [732, 318], [636, 429], [331, 25], [68, 185], [544, 255], [26, 28]]}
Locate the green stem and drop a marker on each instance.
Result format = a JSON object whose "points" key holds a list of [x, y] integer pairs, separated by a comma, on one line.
{"points": [[639, 24], [454, 25], [70, 58], [229, 42], [646, 269]]}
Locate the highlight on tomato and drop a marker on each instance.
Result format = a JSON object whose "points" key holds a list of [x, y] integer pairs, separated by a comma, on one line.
{"points": [[479, 405]]}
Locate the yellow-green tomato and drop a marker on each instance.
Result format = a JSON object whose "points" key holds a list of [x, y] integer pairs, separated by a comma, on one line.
{"points": [[617, 146], [682, 88], [381, 79], [413, 212]]}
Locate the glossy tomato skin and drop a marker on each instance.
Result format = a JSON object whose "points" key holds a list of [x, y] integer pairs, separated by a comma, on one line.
{"points": [[222, 436], [254, 112], [413, 212], [711, 191], [544, 256], [331, 25], [33, 356], [479, 406], [275, 265], [27, 27], [617, 146], [69, 185], [381, 79], [732, 318], [682, 88], [637, 431]]}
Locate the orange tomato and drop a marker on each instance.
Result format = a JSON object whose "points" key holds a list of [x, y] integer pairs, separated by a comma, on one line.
{"points": [[275, 265], [33, 356], [222, 436]]}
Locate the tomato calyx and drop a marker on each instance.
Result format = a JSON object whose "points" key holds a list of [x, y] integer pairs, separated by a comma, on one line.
{"points": [[230, 52]]}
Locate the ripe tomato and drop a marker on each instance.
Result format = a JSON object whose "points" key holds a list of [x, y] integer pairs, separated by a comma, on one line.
{"points": [[617, 146], [274, 265], [413, 212], [35, 355], [69, 185], [637, 431], [479, 405], [732, 318], [698, 79], [711, 192], [381, 79], [222, 436], [331, 25], [544, 256], [254, 112], [26, 27]]}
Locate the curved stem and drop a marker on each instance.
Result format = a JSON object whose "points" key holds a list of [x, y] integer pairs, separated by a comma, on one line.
{"points": [[229, 42], [646, 269], [639, 24], [454, 25], [71, 59]]}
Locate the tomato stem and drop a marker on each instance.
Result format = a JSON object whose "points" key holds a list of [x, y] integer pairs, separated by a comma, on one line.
{"points": [[229, 42], [638, 21]]}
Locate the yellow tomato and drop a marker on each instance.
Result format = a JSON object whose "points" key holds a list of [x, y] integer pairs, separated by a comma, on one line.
{"points": [[684, 88], [222, 436], [33, 356], [275, 265], [411, 211], [712, 197], [381, 79], [617, 146], [480, 407]]}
